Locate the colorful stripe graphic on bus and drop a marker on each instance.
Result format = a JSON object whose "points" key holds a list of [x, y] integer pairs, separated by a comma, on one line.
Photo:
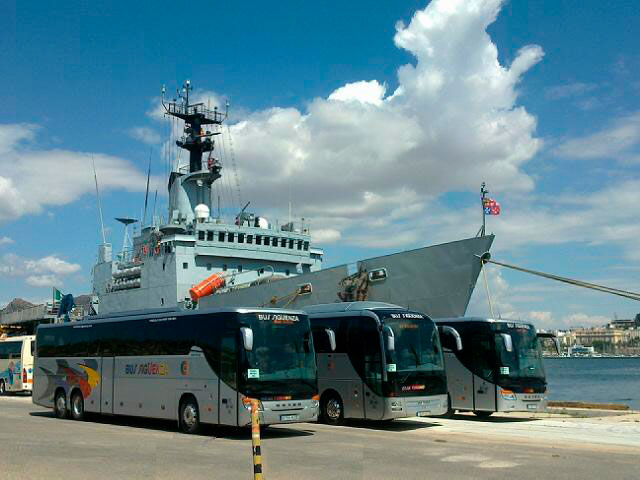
{"points": [[9, 372], [86, 378]]}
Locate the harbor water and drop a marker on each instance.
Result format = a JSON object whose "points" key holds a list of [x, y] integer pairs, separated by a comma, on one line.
{"points": [[596, 380]]}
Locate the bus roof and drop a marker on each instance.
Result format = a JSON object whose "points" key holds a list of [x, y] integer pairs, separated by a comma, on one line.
{"points": [[177, 312], [17, 338], [478, 319], [348, 307]]}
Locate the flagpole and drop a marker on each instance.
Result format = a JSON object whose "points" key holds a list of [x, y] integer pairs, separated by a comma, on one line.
{"points": [[483, 192]]}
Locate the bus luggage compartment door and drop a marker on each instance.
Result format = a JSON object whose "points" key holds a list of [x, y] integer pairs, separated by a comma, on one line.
{"points": [[106, 392], [485, 394]]}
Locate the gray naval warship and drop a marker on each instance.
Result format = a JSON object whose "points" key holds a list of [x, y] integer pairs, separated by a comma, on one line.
{"points": [[196, 260]]}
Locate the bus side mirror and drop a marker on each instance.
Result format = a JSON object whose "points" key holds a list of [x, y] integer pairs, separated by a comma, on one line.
{"points": [[332, 338], [391, 339], [556, 341], [247, 338], [451, 338], [508, 342]]}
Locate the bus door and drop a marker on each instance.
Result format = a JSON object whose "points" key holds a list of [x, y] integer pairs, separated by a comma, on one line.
{"points": [[484, 389], [106, 385], [228, 397]]}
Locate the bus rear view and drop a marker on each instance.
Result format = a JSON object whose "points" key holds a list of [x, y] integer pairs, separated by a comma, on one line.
{"points": [[498, 369], [377, 361], [16, 364]]}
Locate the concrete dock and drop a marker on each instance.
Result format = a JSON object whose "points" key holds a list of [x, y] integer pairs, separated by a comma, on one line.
{"points": [[601, 446]]}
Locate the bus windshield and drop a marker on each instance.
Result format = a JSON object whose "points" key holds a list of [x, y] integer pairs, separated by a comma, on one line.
{"points": [[282, 358], [417, 345], [525, 359]]}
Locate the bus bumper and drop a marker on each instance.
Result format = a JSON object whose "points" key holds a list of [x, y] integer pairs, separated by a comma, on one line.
{"points": [[426, 406], [288, 411], [522, 402]]}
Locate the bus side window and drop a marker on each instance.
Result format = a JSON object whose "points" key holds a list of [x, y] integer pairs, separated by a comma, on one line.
{"points": [[364, 351], [228, 365], [482, 355]]}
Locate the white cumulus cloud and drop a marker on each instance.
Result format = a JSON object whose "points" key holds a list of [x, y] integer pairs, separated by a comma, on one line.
{"points": [[5, 241], [45, 271], [32, 179], [146, 135]]}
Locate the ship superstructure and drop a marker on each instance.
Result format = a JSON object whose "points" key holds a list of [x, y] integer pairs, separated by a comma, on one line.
{"points": [[260, 263]]}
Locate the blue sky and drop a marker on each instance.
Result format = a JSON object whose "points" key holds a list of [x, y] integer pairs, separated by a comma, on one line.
{"points": [[377, 119]]}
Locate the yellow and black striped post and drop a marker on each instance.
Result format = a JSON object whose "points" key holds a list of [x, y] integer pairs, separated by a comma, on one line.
{"points": [[255, 441]]}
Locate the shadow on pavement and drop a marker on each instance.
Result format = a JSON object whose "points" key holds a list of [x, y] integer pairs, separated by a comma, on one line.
{"points": [[493, 418], [244, 433], [390, 425], [218, 431]]}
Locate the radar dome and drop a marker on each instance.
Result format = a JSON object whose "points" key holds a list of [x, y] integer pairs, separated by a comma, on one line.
{"points": [[202, 212], [262, 222]]}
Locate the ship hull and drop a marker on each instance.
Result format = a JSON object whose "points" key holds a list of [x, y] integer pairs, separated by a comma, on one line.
{"points": [[437, 280]]}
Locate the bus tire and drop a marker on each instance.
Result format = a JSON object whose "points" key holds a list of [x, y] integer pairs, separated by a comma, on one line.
{"points": [[482, 413], [3, 388], [189, 415], [332, 409], [77, 406], [60, 404]]}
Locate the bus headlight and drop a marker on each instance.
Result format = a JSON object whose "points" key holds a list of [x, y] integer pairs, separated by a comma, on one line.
{"points": [[315, 401], [507, 394]]}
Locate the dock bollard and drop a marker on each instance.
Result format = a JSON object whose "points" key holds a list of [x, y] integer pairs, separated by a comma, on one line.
{"points": [[255, 441]]}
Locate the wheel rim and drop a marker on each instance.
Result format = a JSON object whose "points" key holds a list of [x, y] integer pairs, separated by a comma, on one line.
{"points": [[190, 416], [77, 405], [2, 387], [61, 403], [333, 409]]}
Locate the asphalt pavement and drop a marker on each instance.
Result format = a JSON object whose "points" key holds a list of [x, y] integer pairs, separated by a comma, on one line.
{"points": [[36, 445]]}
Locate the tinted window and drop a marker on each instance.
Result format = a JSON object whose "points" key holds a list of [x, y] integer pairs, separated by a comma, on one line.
{"points": [[339, 326], [10, 350], [365, 351]]}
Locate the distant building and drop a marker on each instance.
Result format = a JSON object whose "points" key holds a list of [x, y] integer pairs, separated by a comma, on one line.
{"points": [[614, 336], [624, 323]]}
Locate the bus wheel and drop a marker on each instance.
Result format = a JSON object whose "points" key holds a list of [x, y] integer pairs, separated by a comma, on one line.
{"points": [[60, 405], [189, 416], [332, 409], [482, 413], [3, 388], [77, 406]]}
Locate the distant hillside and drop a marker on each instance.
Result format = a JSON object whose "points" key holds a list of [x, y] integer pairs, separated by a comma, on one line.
{"points": [[16, 305]]}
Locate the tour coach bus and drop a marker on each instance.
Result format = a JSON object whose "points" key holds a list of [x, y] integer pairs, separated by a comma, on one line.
{"points": [[193, 366], [16, 364], [498, 369], [376, 361]]}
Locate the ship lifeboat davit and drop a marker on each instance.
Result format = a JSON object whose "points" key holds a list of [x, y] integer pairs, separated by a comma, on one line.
{"points": [[207, 286]]}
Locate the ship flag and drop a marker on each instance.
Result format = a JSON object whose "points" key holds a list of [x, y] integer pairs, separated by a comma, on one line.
{"points": [[490, 206]]}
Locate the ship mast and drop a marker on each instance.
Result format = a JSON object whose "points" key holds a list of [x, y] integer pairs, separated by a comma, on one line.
{"points": [[195, 116]]}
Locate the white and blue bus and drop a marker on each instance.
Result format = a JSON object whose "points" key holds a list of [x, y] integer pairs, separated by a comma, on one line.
{"points": [[498, 369], [377, 361], [193, 366], [16, 364]]}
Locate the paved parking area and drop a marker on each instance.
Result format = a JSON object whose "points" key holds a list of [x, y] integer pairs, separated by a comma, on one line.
{"points": [[37, 445]]}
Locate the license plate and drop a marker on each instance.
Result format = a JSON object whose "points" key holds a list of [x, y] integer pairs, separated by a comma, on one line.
{"points": [[532, 406], [424, 414], [288, 418]]}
